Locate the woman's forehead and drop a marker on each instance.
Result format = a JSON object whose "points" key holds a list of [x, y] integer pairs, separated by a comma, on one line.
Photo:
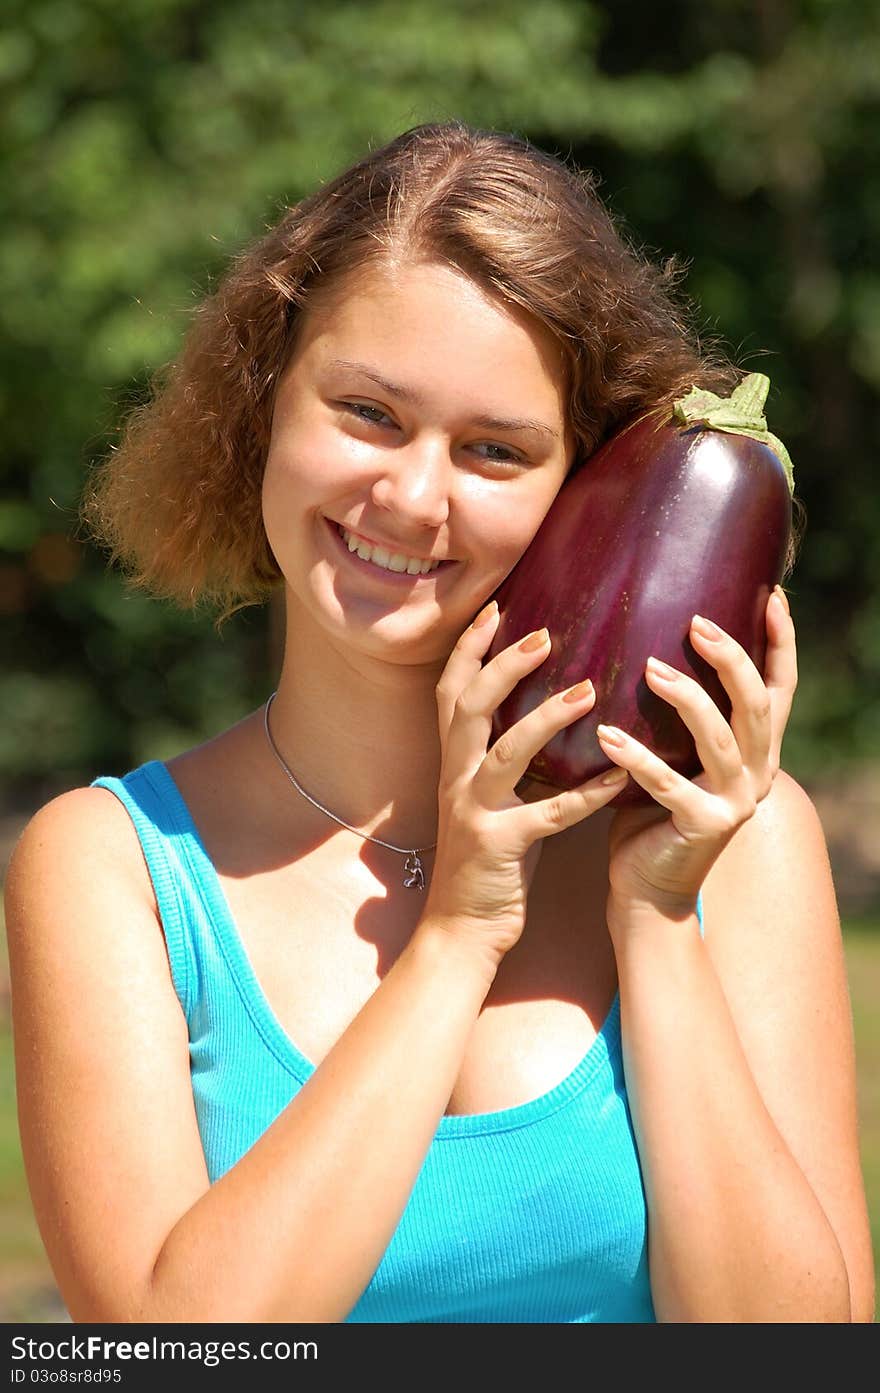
{"points": [[356, 316]]}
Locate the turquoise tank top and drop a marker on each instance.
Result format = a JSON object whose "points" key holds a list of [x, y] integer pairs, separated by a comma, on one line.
{"points": [[535, 1213]]}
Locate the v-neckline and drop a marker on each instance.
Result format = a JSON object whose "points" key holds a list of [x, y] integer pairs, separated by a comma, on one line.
{"points": [[604, 1049]]}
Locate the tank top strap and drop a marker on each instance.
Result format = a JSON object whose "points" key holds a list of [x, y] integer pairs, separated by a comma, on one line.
{"points": [[163, 831]]}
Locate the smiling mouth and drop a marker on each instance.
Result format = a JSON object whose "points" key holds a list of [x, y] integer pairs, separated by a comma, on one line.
{"points": [[375, 570]]}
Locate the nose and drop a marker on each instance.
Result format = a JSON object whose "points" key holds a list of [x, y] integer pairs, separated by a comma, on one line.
{"points": [[414, 484]]}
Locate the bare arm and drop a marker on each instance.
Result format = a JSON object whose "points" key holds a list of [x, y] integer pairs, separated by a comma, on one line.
{"points": [[740, 1069], [134, 1230], [295, 1230]]}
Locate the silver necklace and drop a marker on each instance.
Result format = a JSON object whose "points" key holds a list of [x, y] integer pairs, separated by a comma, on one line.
{"points": [[413, 867]]}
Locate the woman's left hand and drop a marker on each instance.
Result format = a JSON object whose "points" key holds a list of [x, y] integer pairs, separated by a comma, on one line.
{"points": [[658, 859]]}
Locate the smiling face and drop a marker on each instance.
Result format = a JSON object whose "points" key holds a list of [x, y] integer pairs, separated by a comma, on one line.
{"points": [[420, 413]]}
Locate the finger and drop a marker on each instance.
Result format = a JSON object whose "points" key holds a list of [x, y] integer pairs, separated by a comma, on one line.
{"points": [[509, 758], [697, 813], [475, 704], [462, 666], [545, 816], [780, 667], [750, 701], [716, 744]]}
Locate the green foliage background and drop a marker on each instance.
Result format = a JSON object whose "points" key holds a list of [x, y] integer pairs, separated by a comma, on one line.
{"points": [[145, 141]]}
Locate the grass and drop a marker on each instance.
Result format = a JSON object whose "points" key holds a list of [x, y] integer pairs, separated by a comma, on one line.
{"points": [[27, 1288], [862, 943]]}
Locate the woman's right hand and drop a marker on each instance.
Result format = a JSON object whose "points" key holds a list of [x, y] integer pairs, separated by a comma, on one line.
{"points": [[489, 841]]}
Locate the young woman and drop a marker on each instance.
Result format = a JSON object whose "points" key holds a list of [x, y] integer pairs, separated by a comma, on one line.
{"points": [[335, 1017]]}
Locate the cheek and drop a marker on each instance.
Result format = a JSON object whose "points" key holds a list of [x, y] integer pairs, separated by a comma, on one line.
{"points": [[269, 506], [308, 467], [284, 493], [511, 542], [516, 523], [291, 475], [316, 459]]}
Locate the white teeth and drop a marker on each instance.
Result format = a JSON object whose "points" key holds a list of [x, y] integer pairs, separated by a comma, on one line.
{"points": [[388, 562]]}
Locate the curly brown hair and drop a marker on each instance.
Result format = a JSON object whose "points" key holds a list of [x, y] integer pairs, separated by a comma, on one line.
{"points": [[178, 501]]}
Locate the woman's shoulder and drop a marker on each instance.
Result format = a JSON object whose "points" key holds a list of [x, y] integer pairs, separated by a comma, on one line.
{"points": [[82, 827], [87, 813], [93, 821], [92, 825]]}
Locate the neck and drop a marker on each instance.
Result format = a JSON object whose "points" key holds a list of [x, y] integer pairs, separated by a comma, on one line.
{"points": [[359, 732]]}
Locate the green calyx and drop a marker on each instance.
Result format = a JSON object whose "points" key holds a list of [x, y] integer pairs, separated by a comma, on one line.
{"points": [[742, 413]]}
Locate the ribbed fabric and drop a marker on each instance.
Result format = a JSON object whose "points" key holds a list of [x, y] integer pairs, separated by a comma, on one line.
{"points": [[534, 1213]]}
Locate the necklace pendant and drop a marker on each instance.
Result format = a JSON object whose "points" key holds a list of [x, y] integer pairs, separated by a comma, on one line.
{"points": [[416, 873]]}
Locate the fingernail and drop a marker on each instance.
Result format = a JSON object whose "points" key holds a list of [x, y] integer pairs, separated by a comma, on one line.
{"points": [[611, 735], [486, 614], [614, 776], [782, 598], [539, 639], [578, 692], [706, 627], [659, 669]]}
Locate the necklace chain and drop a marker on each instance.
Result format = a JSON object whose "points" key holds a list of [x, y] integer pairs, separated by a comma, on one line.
{"points": [[413, 867]]}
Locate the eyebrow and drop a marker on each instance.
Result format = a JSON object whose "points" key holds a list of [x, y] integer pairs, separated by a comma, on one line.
{"points": [[408, 394]]}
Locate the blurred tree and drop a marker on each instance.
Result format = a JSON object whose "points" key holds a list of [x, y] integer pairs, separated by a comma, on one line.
{"points": [[143, 143]]}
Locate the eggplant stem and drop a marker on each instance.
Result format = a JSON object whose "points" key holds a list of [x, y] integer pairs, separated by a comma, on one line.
{"points": [[742, 413]]}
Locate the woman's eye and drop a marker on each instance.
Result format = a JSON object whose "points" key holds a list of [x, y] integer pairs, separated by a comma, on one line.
{"points": [[511, 458], [356, 408]]}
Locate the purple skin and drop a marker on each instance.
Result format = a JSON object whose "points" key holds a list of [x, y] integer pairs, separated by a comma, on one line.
{"points": [[663, 522]]}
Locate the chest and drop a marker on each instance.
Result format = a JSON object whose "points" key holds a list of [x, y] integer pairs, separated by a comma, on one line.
{"points": [[322, 932]]}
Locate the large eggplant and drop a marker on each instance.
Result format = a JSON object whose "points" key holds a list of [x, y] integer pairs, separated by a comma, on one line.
{"points": [[682, 512]]}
